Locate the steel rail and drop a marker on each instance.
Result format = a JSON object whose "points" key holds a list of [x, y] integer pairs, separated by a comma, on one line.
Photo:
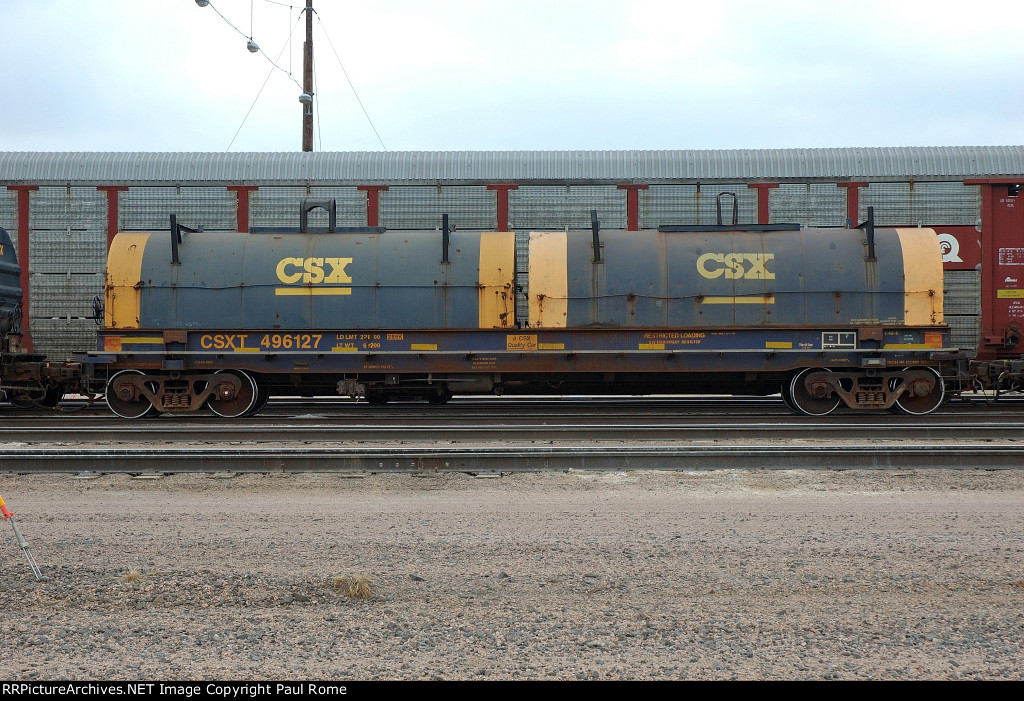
{"points": [[519, 408], [399, 429], [262, 458]]}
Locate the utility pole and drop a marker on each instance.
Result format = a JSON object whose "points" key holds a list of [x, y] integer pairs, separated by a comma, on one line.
{"points": [[307, 81]]}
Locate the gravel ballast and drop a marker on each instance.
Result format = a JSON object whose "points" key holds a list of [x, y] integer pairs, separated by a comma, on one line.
{"points": [[640, 575]]}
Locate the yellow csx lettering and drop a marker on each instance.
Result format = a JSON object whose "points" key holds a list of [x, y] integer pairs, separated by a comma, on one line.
{"points": [[311, 270], [733, 266], [223, 341]]}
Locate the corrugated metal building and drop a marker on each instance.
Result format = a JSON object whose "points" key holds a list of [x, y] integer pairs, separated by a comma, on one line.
{"points": [[65, 206]]}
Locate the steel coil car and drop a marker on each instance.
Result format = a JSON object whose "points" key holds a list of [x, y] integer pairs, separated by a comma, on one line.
{"points": [[827, 317]]}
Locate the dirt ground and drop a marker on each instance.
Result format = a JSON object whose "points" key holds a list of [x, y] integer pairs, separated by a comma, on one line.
{"points": [[611, 575]]}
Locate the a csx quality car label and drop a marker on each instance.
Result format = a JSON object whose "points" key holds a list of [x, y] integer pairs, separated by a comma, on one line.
{"points": [[733, 266], [313, 271]]}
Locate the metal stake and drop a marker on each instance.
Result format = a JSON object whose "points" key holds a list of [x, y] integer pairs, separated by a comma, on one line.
{"points": [[22, 543]]}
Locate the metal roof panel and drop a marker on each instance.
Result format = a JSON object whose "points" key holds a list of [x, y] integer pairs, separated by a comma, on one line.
{"points": [[359, 167]]}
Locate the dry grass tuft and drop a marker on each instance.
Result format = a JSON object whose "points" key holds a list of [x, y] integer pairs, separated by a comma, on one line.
{"points": [[131, 577], [356, 587]]}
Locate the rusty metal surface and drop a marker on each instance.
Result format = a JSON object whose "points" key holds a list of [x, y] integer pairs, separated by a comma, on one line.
{"points": [[735, 279], [645, 279], [376, 281]]}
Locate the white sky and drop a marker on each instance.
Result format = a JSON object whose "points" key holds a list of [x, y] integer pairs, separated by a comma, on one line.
{"points": [[167, 75]]}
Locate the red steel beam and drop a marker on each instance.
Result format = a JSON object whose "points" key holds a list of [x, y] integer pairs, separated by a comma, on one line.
{"points": [[853, 200], [632, 204], [112, 207], [242, 193], [501, 195], [372, 202], [762, 200]]}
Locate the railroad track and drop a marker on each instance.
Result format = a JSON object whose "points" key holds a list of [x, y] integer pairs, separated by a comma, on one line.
{"points": [[147, 461], [516, 407], [498, 429], [463, 405], [501, 436]]}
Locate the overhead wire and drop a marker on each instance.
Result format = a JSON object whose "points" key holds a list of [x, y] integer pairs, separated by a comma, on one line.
{"points": [[267, 80], [275, 66], [353, 87], [258, 48]]}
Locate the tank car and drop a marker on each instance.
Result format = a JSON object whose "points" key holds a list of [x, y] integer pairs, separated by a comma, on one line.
{"points": [[827, 317], [26, 378]]}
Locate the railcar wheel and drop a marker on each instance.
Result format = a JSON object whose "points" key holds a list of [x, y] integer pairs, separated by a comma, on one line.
{"points": [[262, 397], [124, 405], [241, 403], [441, 397], [787, 398], [915, 405], [806, 403], [376, 398]]}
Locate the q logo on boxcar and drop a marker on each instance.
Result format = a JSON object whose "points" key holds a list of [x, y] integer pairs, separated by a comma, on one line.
{"points": [[950, 248], [733, 266]]}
